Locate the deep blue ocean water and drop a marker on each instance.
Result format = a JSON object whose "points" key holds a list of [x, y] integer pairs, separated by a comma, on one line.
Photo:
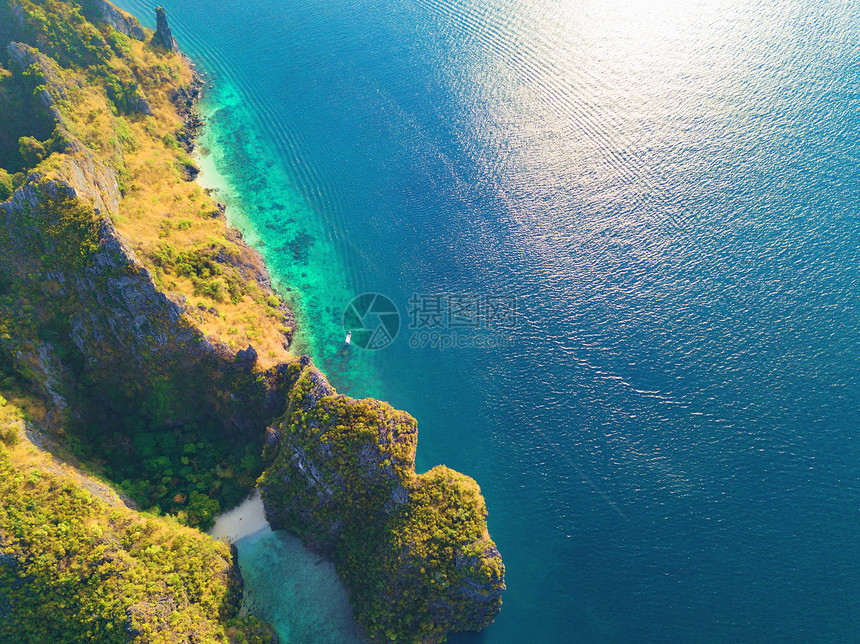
{"points": [[667, 432]]}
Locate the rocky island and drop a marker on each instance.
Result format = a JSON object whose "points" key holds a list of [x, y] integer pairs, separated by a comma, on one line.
{"points": [[148, 383]]}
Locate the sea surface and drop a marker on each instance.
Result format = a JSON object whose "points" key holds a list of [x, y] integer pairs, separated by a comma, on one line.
{"points": [[624, 241]]}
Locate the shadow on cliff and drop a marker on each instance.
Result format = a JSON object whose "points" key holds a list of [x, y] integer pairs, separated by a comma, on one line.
{"points": [[175, 417]]}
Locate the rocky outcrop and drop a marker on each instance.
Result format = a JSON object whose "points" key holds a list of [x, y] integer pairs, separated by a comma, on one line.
{"points": [[54, 86], [303, 491], [22, 56], [38, 363], [87, 178], [128, 313], [185, 100], [131, 336], [117, 304], [414, 549], [103, 11], [163, 36]]}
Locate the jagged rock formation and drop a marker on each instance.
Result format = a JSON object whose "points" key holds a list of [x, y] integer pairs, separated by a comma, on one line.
{"points": [[414, 549], [101, 10], [163, 36]]}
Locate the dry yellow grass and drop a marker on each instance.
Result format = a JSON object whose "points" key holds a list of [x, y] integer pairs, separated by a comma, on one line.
{"points": [[160, 207]]}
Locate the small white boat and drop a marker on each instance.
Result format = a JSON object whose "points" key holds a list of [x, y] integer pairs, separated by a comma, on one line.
{"points": [[348, 337]]}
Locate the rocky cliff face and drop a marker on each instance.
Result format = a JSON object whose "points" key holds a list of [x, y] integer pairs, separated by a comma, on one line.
{"points": [[113, 312], [55, 87], [414, 549], [128, 333], [103, 11], [333, 451]]}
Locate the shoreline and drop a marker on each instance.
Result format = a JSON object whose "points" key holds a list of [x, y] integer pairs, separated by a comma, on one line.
{"points": [[194, 118], [311, 600], [221, 189], [246, 519], [161, 294], [321, 594], [307, 269], [456, 593]]}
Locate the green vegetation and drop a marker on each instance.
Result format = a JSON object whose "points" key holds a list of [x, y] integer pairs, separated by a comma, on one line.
{"points": [[414, 549], [60, 30], [174, 473], [75, 568], [433, 567], [23, 117], [135, 426], [7, 185], [32, 151], [201, 265]]}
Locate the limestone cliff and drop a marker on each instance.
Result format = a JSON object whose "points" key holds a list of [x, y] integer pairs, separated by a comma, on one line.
{"points": [[101, 10], [414, 549], [65, 253]]}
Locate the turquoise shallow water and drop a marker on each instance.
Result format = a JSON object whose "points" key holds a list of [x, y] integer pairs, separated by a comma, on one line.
{"points": [[294, 590], [666, 434]]}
